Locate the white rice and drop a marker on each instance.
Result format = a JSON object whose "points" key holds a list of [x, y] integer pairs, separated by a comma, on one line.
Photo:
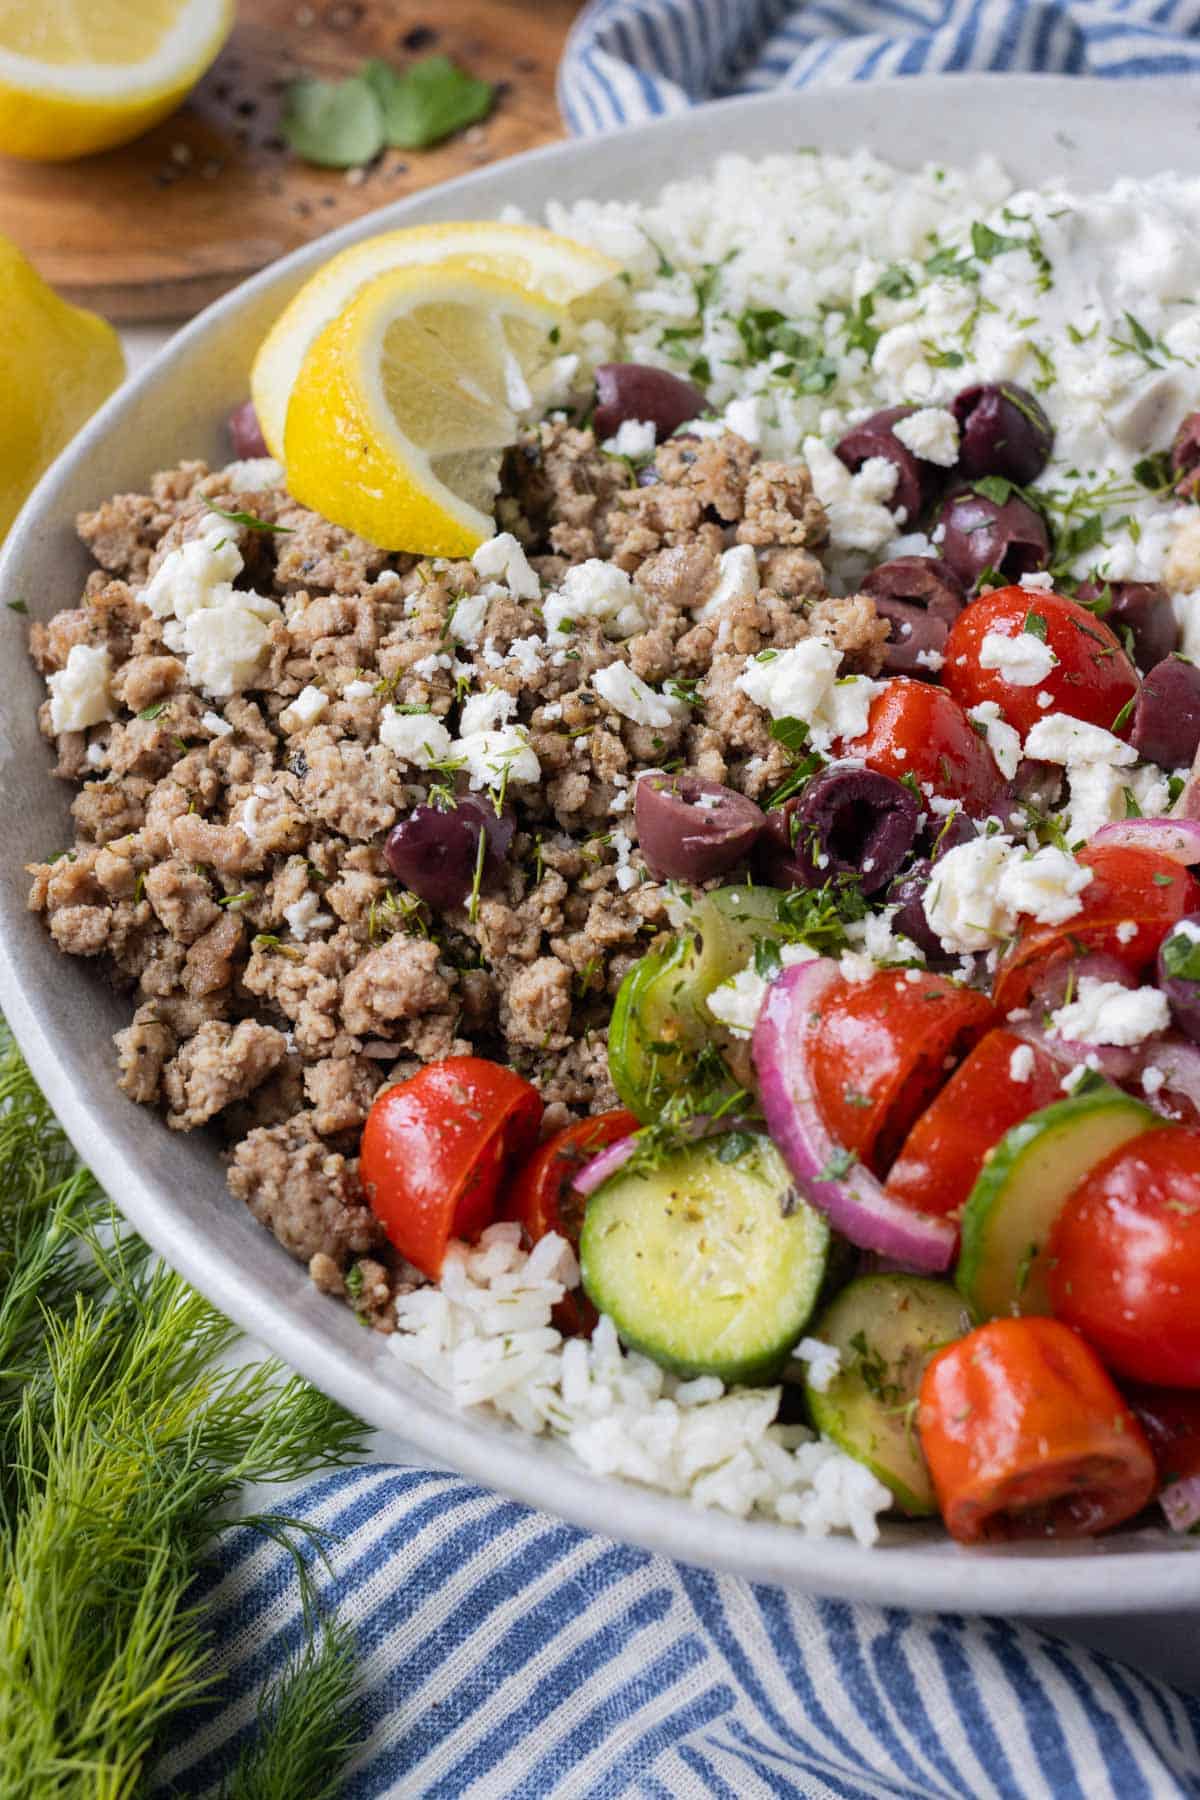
{"points": [[484, 1337], [1099, 319]]}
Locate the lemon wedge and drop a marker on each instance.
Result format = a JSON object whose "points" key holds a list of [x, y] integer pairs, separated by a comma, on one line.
{"points": [[553, 268], [405, 403], [81, 75], [57, 363]]}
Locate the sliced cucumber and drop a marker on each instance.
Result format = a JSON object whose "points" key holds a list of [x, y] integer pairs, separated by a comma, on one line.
{"points": [[1021, 1189], [660, 1025], [885, 1328], [711, 1263]]}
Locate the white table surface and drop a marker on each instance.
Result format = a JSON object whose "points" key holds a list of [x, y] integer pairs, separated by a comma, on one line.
{"points": [[1168, 1646]]}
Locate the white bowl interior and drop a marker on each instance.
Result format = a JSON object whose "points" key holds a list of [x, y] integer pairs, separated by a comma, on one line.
{"points": [[63, 1014]]}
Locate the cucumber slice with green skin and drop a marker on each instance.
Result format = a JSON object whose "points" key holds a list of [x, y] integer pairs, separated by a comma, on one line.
{"points": [[711, 1263], [885, 1328], [660, 1025], [1021, 1190]]}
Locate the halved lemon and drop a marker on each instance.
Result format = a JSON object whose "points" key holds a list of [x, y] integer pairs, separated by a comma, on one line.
{"points": [[81, 75], [553, 268], [405, 403]]}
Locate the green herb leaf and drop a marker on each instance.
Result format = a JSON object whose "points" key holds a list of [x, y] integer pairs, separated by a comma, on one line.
{"points": [[996, 488], [1181, 956], [1125, 714], [840, 1163], [335, 124], [17, 606], [767, 961], [1155, 472], [427, 101], [249, 520], [986, 243], [791, 733], [1035, 625], [153, 712], [734, 1146]]}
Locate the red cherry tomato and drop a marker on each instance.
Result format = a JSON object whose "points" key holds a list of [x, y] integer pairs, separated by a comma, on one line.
{"points": [[1026, 1436], [945, 1150], [1130, 887], [880, 1053], [1124, 1258], [918, 730], [434, 1149], [542, 1200], [1091, 679]]}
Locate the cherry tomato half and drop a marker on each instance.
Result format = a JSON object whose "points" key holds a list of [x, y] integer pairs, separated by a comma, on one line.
{"points": [[1129, 906], [945, 1150], [434, 1149], [1124, 1258], [1026, 1436], [541, 1199], [880, 1053], [1092, 678], [919, 730]]}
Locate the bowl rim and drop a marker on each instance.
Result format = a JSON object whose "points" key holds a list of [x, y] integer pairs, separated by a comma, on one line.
{"points": [[1127, 1573]]}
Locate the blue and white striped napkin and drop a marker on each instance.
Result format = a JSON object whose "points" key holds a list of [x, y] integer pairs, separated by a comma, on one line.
{"points": [[505, 1655], [627, 61]]}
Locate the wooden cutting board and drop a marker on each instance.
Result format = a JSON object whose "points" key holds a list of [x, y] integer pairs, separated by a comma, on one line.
{"points": [[161, 227]]}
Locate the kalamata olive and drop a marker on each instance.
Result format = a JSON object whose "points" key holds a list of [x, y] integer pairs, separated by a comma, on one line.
{"points": [[1166, 714], [1002, 431], [1008, 537], [946, 831], [1144, 609], [917, 481], [907, 894], [916, 640], [852, 821], [245, 433], [1185, 455], [923, 581], [691, 829], [435, 853], [783, 854], [1178, 954], [1038, 784], [635, 391]]}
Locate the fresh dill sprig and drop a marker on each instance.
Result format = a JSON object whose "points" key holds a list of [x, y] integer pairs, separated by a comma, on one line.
{"points": [[309, 1723], [122, 1444]]}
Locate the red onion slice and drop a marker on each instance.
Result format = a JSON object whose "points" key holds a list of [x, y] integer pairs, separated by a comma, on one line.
{"points": [[1179, 1061], [606, 1162], [1180, 1501], [1116, 1062], [855, 1203], [1177, 838]]}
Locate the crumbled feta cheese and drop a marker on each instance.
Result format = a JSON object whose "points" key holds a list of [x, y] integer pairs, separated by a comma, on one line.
{"points": [[490, 755], [962, 902], [930, 433], [822, 1362], [216, 724], [305, 915], [1020, 1063], [252, 474], [358, 690], [1127, 930], [1153, 1081], [416, 738], [1104, 1012], [737, 579], [802, 683], [854, 967], [628, 694], [1046, 885], [859, 518], [1003, 742], [429, 666], [736, 1003], [1038, 581], [466, 621], [502, 558], [483, 712], [80, 693], [195, 575], [226, 646], [596, 590], [744, 417], [1023, 660], [305, 709], [633, 437], [526, 652], [1062, 739], [885, 946]]}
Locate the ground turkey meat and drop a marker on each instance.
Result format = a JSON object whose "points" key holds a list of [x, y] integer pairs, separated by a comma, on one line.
{"points": [[229, 873]]}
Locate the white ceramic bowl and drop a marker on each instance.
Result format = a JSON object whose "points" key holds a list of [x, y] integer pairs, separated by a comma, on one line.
{"points": [[171, 1187]]}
